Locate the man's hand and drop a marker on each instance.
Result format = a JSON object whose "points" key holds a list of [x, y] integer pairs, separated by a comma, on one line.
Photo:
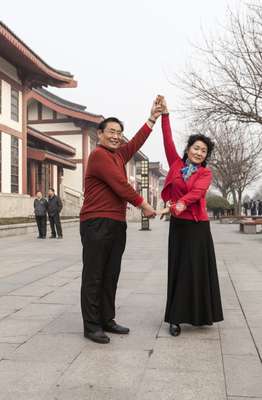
{"points": [[147, 210], [156, 109]]}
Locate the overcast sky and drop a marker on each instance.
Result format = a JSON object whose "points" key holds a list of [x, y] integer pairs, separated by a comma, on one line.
{"points": [[120, 52]]}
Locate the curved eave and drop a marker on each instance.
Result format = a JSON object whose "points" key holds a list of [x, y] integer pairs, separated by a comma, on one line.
{"points": [[41, 155], [84, 116], [54, 143], [19, 54]]}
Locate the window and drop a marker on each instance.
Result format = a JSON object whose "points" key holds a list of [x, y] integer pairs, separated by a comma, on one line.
{"points": [[14, 165], [14, 104], [0, 162]]}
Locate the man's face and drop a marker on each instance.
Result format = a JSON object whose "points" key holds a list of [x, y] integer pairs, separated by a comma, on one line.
{"points": [[39, 195], [111, 137], [50, 193]]}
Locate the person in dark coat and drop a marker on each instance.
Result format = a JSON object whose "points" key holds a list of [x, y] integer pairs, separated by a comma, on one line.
{"points": [[193, 295], [40, 209], [259, 207], [54, 208], [253, 207]]}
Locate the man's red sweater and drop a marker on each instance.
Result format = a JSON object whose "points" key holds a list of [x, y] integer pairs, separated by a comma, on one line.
{"points": [[107, 190]]}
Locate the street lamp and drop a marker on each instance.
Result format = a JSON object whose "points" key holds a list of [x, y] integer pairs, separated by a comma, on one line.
{"points": [[145, 192]]}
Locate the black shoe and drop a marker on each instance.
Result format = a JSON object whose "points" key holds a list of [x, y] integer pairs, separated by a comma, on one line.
{"points": [[113, 327], [59, 237], [52, 237], [39, 237], [98, 336], [174, 330]]}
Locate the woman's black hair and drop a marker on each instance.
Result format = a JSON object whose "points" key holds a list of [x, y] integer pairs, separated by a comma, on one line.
{"points": [[205, 139]]}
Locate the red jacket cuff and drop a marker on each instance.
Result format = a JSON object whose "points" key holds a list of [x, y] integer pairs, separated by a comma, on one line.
{"points": [[138, 201]]}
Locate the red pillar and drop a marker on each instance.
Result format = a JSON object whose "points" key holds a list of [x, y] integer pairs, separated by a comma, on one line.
{"points": [[25, 96], [32, 178]]}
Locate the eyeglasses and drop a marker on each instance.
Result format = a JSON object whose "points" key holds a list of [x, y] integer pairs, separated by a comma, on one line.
{"points": [[113, 132]]}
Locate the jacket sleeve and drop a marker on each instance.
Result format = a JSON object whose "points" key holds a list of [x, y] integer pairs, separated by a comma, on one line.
{"points": [[170, 148], [199, 188], [129, 149], [105, 169], [59, 204]]}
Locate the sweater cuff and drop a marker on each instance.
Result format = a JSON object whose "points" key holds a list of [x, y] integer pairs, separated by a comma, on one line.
{"points": [[146, 129], [138, 201]]}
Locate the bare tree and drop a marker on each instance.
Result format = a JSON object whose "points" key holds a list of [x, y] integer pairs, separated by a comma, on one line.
{"points": [[236, 160], [230, 88]]}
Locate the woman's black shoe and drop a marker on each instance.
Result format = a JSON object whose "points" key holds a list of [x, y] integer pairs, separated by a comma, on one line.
{"points": [[174, 330]]}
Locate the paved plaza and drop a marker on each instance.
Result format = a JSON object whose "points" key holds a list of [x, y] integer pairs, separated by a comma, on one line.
{"points": [[44, 355]]}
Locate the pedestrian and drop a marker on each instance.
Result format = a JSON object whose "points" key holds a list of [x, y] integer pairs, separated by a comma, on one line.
{"points": [[253, 207], [259, 207], [246, 206], [54, 208], [193, 294], [40, 210], [103, 223]]}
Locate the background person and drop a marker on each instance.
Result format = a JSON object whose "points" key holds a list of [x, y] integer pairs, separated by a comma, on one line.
{"points": [[193, 295], [54, 208], [40, 210]]}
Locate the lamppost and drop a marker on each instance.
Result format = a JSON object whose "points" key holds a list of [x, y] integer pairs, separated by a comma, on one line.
{"points": [[145, 192]]}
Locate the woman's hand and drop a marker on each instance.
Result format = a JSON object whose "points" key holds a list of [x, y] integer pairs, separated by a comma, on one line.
{"points": [[179, 207], [164, 105], [163, 212]]}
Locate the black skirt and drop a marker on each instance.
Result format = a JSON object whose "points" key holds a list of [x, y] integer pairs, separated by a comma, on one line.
{"points": [[193, 294]]}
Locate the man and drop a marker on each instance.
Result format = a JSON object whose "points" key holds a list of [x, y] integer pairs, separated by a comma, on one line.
{"points": [[54, 208], [103, 223], [40, 209]]}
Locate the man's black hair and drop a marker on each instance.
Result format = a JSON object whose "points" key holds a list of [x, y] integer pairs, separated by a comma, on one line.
{"points": [[104, 123]]}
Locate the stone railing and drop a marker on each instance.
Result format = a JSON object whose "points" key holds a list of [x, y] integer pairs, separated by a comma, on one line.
{"points": [[72, 201]]}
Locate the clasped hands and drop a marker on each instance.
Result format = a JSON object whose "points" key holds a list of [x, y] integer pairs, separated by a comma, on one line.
{"points": [[171, 207]]}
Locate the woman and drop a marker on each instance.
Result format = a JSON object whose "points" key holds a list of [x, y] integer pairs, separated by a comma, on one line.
{"points": [[193, 289]]}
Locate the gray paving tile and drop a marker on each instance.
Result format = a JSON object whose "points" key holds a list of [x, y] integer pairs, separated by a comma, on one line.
{"points": [[243, 375]]}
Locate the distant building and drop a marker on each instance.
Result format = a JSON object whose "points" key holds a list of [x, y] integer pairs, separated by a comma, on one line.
{"points": [[45, 140]]}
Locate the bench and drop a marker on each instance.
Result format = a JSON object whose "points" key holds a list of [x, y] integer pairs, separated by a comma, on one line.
{"points": [[249, 226]]}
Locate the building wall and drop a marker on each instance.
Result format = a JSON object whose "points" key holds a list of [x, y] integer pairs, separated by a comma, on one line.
{"points": [[73, 178]]}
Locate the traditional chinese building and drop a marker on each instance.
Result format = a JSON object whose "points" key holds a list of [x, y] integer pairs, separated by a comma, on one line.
{"points": [[45, 140]]}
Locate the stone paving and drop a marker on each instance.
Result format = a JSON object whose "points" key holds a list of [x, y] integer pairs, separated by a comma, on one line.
{"points": [[44, 356]]}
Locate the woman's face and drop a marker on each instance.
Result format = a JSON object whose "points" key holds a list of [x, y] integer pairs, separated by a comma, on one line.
{"points": [[197, 153]]}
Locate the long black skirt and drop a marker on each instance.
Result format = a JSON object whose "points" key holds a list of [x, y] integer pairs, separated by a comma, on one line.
{"points": [[193, 294]]}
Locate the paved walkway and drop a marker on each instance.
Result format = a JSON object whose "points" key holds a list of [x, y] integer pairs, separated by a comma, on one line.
{"points": [[45, 357]]}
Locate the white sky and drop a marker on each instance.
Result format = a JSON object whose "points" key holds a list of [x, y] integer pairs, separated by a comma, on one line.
{"points": [[120, 52]]}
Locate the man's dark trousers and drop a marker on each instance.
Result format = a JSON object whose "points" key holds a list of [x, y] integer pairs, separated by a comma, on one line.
{"points": [[103, 241], [41, 224], [55, 224]]}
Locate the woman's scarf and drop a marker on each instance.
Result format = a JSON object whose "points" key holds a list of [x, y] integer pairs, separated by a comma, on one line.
{"points": [[188, 170]]}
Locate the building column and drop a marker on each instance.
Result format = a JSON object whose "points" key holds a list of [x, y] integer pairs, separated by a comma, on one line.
{"points": [[32, 178], [85, 153], [25, 97], [59, 180]]}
